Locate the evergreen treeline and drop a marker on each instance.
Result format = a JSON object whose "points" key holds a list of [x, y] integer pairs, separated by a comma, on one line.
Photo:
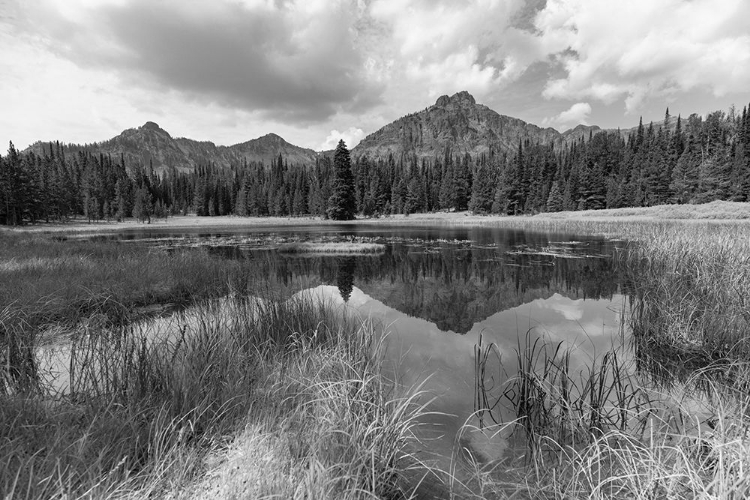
{"points": [[679, 161]]}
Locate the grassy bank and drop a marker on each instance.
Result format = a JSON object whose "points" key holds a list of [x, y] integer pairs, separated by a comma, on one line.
{"points": [[714, 211], [59, 280], [608, 432], [161, 407], [691, 287], [294, 383]]}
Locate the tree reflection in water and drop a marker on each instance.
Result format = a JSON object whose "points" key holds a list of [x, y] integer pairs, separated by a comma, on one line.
{"points": [[345, 276]]}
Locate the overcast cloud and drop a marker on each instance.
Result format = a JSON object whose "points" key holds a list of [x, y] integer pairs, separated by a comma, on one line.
{"points": [[228, 71], [577, 114]]}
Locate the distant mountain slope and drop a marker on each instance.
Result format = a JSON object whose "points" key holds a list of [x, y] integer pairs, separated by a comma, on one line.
{"points": [[456, 122], [152, 144], [461, 124]]}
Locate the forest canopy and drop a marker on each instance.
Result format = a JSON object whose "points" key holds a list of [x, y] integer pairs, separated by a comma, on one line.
{"points": [[693, 160]]}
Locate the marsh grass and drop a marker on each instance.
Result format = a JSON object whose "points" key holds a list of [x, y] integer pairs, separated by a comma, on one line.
{"points": [[555, 406], [57, 280], [604, 432], [690, 295], [148, 406], [143, 411]]}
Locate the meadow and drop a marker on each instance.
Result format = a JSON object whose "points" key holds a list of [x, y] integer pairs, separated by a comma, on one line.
{"points": [[245, 393]]}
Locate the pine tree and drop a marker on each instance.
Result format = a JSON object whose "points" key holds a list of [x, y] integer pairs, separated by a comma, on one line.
{"points": [[414, 196], [398, 196], [462, 182], [342, 204], [555, 200], [501, 198], [15, 184], [240, 207], [199, 198], [684, 177], [482, 191], [740, 177], [447, 196], [142, 205]]}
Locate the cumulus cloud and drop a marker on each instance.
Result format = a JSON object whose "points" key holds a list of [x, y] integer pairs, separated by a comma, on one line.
{"points": [[443, 46], [610, 50], [351, 137], [571, 310], [299, 63], [577, 114], [295, 60]]}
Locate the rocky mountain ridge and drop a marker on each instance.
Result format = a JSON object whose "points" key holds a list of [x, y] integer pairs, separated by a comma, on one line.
{"points": [[456, 123], [150, 144], [460, 124]]}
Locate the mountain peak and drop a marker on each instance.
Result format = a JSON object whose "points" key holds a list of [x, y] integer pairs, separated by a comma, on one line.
{"points": [[151, 126], [462, 97], [273, 137], [456, 122]]}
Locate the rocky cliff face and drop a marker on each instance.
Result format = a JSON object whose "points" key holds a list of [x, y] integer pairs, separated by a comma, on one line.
{"points": [[461, 124], [152, 144]]}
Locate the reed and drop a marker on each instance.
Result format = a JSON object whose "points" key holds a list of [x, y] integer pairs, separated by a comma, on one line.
{"points": [[555, 407], [605, 431], [689, 293], [148, 404]]}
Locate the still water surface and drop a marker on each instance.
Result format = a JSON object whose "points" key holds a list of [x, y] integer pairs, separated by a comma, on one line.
{"points": [[437, 290]]}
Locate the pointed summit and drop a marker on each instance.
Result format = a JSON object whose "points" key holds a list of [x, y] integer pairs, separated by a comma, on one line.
{"points": [[456, 122], [270, 146], [272, 138], [152, 128]]}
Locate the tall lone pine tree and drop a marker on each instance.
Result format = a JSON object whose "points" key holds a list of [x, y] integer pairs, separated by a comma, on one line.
{"points": [[342, 205]]}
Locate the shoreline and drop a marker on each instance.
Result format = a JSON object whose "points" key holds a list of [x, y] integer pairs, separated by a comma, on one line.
{"points": [[717, 211]]}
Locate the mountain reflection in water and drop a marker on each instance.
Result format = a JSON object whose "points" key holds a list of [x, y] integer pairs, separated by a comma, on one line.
{"points": [[435, 290], [452, 284], [420, 353]]}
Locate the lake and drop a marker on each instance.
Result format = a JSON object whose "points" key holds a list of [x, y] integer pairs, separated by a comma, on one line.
{"points": [[436, 291]]}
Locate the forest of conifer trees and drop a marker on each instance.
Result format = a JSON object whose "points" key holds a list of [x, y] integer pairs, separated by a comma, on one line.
{"points": [[694, 160]]}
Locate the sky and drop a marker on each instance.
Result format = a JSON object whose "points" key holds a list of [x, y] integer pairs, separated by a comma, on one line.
{"points": [[315, 71]]}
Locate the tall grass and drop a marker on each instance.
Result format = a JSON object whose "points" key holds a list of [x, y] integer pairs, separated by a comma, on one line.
{"points": [[691, 292], [145, 407], [153, 407], [58, 280], [556, 407], [602, 432]]}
